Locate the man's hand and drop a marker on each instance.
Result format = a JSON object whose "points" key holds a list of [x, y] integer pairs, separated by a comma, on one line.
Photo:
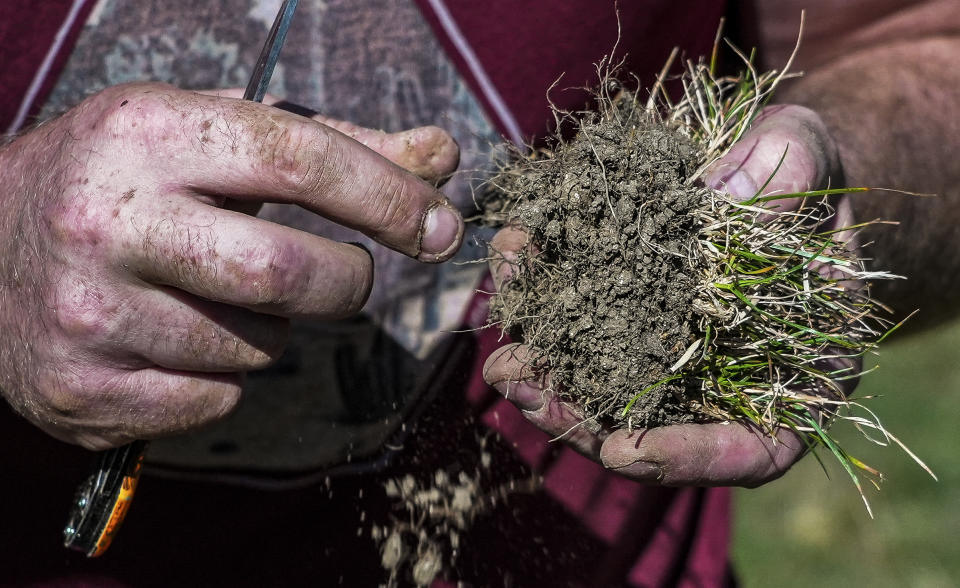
{"points": [[132, 301], [694, 454]]}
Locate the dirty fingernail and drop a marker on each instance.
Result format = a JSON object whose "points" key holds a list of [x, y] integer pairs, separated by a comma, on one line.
{"points": [[441, 233], [738, 184], [641, 470], [522, 394]]}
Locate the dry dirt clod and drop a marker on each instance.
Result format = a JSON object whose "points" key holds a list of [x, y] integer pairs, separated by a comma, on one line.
{"points": [[609, 294]]}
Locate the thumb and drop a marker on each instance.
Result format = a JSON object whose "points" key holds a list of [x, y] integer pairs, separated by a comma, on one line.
{"points": [[713, 454], [789, 136]]}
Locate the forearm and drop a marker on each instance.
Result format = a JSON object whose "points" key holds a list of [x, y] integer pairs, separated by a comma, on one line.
{"points": [[892, 103]]}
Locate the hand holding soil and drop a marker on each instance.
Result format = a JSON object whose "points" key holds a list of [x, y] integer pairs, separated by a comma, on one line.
{"points": [[726, 453]]}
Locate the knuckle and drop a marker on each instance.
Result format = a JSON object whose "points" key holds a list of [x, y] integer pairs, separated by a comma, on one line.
{"points": [[81, 225], [781, 115], [83, 312], [801, 113], [274, 274], [391, 204], [298, 155], [802, 129], [141, 111]]}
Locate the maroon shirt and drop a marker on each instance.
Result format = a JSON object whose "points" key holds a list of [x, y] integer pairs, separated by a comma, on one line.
{"points": [[595, 528], [35, 41]]}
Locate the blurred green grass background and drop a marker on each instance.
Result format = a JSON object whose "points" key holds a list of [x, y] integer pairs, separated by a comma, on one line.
{"points": [[807, 530]]}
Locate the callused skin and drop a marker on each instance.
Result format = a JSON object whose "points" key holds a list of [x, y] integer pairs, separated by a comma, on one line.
{"points": [[132, 301]]}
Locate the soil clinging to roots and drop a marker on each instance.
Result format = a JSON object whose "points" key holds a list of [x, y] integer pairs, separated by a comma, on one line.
{"points": [[650, 299], [608, 295]]}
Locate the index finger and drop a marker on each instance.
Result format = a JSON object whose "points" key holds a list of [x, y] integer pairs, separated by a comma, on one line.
{"points": [[248, 151]]}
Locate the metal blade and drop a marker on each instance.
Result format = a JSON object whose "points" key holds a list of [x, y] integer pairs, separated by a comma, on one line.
{"points": [[262, 72]]}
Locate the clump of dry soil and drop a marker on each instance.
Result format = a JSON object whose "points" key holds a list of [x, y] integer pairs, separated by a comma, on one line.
{"points": [[606, 290]]}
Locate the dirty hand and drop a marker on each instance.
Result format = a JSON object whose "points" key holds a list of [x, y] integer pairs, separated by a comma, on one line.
{"points": [[689, 454], [132, 299]]}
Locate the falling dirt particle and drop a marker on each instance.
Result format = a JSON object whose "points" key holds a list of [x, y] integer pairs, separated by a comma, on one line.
{"points": [[392, 552], [485, 460], [428, 566], [431, 512]]}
